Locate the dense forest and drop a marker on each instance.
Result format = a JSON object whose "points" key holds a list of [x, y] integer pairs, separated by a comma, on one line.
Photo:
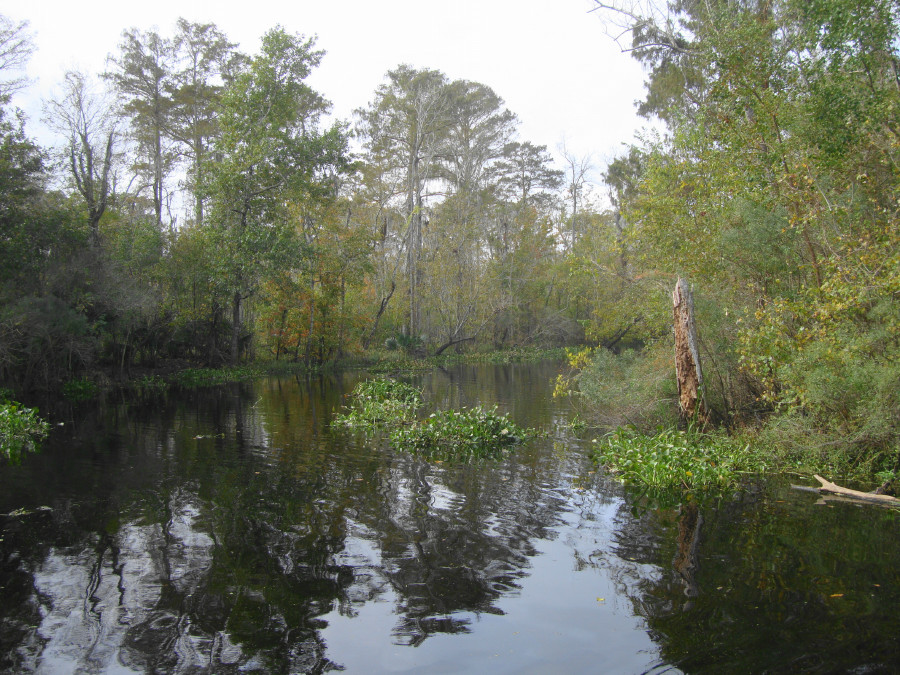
{"points": [[199, 209]]}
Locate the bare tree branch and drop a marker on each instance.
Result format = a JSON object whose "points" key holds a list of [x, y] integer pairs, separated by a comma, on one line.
{"points": [[16, 46]]}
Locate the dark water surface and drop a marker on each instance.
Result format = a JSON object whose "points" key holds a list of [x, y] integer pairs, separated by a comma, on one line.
{"points": [[230, 530]]}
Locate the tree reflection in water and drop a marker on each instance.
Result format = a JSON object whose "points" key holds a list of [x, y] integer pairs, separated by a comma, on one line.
{"points": [[764, 581], [214, 531]]}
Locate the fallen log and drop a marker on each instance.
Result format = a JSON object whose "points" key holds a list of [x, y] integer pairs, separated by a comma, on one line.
{"points": [[828, 487]]}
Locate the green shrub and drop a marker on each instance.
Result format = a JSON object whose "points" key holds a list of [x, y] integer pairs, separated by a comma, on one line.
{"points": [[385, 361], [829, 359], [636, 388], [149, 383], [78, 390], [411, 344], [803, 443], [514, 355], [194, 378]]}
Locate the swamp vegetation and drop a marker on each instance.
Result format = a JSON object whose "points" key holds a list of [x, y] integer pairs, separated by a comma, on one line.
{"points": [[21, 429], [199, 208], [299, 419], [457, 435], [774, 191]]}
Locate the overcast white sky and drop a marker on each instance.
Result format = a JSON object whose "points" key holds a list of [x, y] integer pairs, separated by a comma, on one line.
{"points": [[550, 60]]}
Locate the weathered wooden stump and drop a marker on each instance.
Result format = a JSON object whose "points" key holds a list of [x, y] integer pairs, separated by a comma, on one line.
{"points": [[687, 356]]}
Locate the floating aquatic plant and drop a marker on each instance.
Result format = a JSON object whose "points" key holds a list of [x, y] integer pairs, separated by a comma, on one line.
{"points": [[470, 433], [466, 434], [672, 458], [21, 430], [380, 403]]}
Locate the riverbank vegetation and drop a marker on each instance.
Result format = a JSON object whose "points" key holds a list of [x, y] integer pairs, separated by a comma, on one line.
{"points": [[464, 435], [774, 190], [682, 459]]}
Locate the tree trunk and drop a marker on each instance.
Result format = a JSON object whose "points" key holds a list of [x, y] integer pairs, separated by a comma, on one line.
{"points": [[450, 343], [341, 318], [235, 327], [687, 358], [312, 320], [280, 342], [873, 497], [384, 304], [213, 346]]}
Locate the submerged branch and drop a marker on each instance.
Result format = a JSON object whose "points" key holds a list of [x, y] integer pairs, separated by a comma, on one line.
{"points": [[828, 488]]}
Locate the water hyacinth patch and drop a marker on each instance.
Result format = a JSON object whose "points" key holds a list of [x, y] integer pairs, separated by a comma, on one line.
{"points": [[21, 429], [470, 433], [80, 390], [467, 434], [514, 355], [381, 402], [672, 458]]}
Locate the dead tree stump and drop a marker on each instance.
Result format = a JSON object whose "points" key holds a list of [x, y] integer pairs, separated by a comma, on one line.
{"points": [[687, 357]]}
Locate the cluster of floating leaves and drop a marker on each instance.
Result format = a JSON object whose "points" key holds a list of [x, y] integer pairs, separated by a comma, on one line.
{"points": [[462, 435]]}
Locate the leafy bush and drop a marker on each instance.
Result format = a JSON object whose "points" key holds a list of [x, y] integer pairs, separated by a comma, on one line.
{"points": [[378, 361], [44, 341], [411, 344], [20, 429], [802, 443], [193, 378], [80, 389], [514, 355], [829, 359], [150, 383], [636, 388]]}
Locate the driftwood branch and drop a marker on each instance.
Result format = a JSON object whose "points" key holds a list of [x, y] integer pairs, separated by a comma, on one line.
{"points": [[828, 488]]}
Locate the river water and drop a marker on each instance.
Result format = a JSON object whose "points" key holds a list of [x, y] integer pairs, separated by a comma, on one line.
{"points": [[232, 530]]}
